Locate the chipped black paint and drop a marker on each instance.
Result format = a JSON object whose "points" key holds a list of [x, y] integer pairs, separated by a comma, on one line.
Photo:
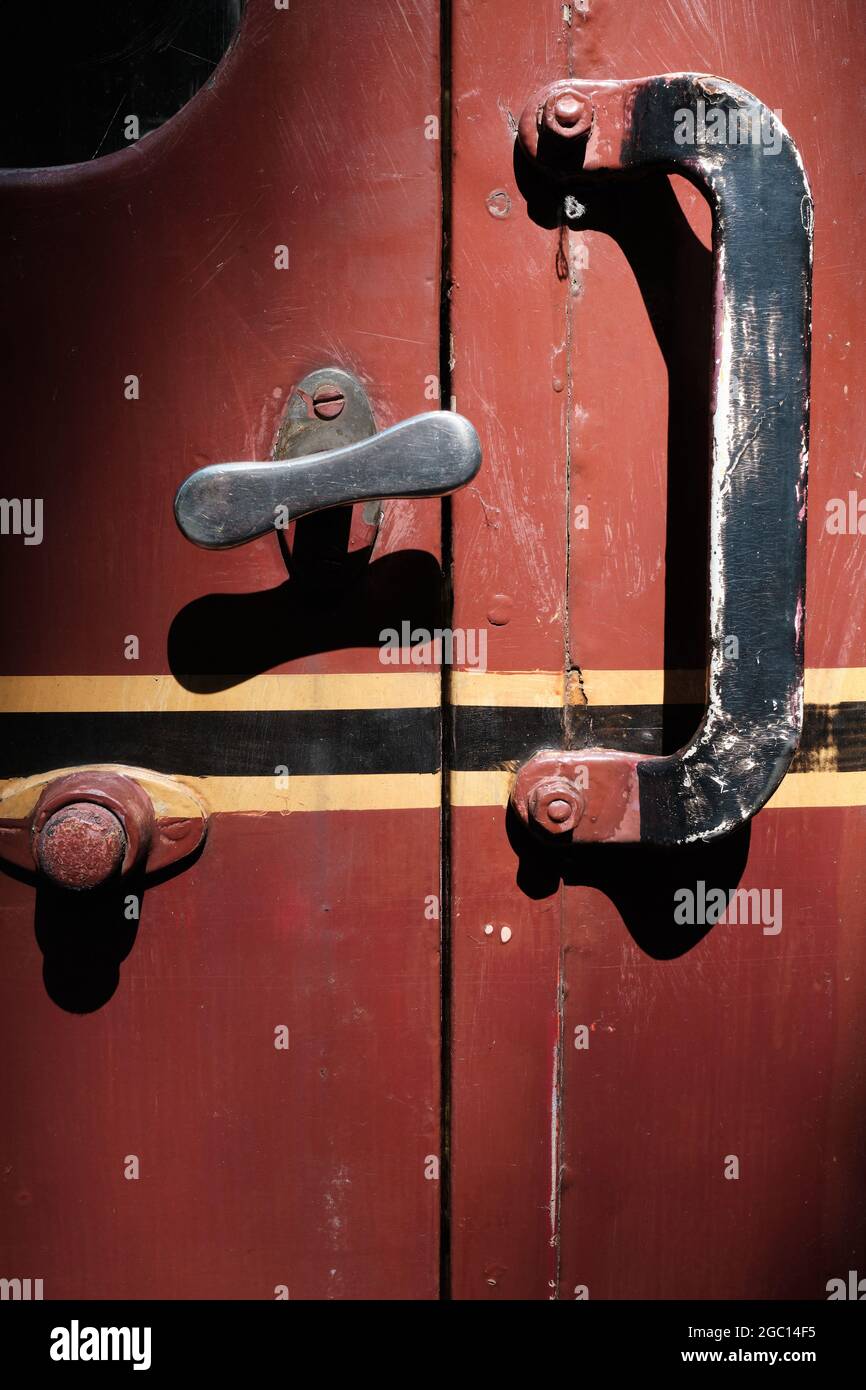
{"points": [[762, 268], [762, 217]]}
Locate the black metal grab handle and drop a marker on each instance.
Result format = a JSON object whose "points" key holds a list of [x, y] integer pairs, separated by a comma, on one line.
{"points": [[762, 248]]}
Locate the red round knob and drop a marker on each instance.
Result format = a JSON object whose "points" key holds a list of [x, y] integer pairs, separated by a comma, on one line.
{"points": [[81, 845]]}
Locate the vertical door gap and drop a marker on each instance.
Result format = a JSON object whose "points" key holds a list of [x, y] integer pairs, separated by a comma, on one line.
{"points": [[447, 720]]}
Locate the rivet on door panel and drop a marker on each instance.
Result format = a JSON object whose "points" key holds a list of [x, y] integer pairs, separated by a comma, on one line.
{"points": [[762, 213]]}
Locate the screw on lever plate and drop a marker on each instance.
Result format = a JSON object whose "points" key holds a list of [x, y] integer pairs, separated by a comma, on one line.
{"points": [[328, 401]]}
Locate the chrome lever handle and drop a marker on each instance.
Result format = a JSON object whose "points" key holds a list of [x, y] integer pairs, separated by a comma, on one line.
{"points": [[228, 504]]}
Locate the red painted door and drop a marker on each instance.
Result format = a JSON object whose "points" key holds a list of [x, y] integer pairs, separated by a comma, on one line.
{"points": [[226, 1074], [642, 1109], [236, 1095]]}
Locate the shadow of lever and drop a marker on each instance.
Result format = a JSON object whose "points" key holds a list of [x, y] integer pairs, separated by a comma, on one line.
{"points": [[227, 504]]}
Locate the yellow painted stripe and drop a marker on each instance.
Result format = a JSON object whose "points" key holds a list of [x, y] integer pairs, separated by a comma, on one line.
{"points": [[402, 791], [254, 795], [641, 688], [389, 792], [823, 686], [171, 796], [820, 789], [420, 791], [480, 788], [546, 688], [799, 789], [532, 689], [94, 694], [835, 685], [388, 690]]}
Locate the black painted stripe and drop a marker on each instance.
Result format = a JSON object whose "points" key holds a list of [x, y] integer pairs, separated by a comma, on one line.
{"points": [[485, 737], [225, 743], [251, 743]]}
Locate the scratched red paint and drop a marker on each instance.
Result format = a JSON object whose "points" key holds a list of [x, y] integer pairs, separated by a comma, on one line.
{"points": [[260, 1168], [744, 1043]]}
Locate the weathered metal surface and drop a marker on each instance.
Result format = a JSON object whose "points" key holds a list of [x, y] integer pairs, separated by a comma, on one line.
{"points": [[323, 551], [555, 804], [304, 430]]}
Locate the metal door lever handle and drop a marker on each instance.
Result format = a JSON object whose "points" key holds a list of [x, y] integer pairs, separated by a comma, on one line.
{"points": [[228, 504]]}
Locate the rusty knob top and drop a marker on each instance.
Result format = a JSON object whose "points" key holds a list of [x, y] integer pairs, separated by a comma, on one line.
{"points": [[81, 845]]}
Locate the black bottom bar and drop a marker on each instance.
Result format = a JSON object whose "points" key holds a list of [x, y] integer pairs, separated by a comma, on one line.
{"points": [[190, 1337]]}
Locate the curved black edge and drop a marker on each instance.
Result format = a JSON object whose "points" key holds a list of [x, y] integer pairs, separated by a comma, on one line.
{"points": [[762, 214]]}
